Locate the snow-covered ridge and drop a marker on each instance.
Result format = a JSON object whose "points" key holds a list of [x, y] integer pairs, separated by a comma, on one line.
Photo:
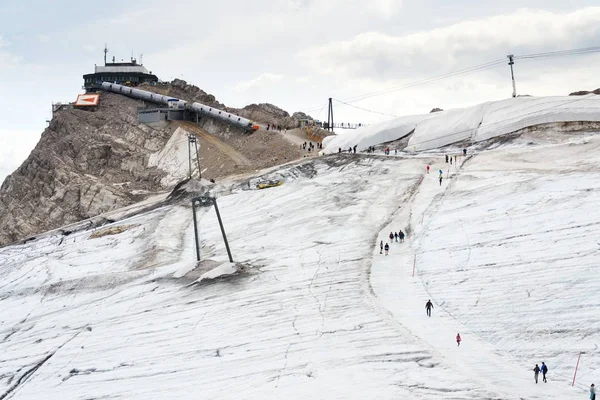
{"points": [[477, 123]]}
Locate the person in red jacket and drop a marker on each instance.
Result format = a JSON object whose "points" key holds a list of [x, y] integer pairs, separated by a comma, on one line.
{"points": [[458, 339]]}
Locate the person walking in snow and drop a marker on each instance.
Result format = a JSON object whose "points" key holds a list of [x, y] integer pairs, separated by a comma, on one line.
{"points": [[386, 248], [391, 236], [454, 159], [401, 236], [544, 370], [355, 148], [441, 178], [458, 339], [381, 247], [446, 158], [428, 169], [536, 373], [396, 236], [428, 307], [592, 392], [465, 152], [450, 160]]}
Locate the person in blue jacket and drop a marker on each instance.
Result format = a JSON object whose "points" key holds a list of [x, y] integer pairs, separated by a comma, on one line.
{"points": [[544, 371]]}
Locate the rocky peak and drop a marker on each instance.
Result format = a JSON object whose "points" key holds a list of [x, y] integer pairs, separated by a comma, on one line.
{"points": [[93, 160]]}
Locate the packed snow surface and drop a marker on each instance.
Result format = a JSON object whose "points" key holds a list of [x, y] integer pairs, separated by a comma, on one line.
{"points": [[505, 247], [173, 158], [472, 124]]}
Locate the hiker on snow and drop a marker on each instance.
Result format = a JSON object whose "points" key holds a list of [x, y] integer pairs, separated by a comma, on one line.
{"points": [[396, 236], [401, 235], [386, 248], [441, 178], [458, 339], [381, 247], [391, 236], [446, 158], [464, 152], [536, 373], [428, 169], [544, 370], [428, 307], [592, 392]]}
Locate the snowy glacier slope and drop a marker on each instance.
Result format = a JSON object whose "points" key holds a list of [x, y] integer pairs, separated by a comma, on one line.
{"points": [[505, 249], [474, 124], [102, 318]]}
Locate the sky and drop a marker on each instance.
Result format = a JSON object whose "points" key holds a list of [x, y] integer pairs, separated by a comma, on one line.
{"points": [[293, 53]]}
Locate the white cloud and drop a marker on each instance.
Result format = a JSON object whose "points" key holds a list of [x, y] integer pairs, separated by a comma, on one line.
{"points": [[458, 45], [261, 80]]}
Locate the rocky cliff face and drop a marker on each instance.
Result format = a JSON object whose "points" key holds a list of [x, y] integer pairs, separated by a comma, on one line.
{"points": [[86, 163], [91, 161]]}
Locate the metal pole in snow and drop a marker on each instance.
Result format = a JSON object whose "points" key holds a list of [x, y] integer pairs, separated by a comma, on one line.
{"points": [[190, 154], [576, 366], [198, 160], [222, 230], [196, 230], [512, 74], [414, 265]]}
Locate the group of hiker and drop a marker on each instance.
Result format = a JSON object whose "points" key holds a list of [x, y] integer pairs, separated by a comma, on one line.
{"points": [[310, 146], [350, 149], [543, 370], [394, 236], [449, 158]]}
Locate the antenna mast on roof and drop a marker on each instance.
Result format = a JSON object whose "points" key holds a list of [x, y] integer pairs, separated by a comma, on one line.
{"points": [[105, 51]]}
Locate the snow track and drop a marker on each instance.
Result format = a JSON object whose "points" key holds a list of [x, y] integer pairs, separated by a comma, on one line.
{"points": [[405, 296]]}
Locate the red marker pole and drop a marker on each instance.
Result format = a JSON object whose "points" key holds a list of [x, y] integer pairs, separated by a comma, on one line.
{"points": [[576, 366]]}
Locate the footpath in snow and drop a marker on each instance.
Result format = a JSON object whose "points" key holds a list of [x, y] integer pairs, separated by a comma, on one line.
{"points": [[405, 297]]}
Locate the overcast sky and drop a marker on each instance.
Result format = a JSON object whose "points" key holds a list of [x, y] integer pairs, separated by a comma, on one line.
{"points": [[292, 53]]}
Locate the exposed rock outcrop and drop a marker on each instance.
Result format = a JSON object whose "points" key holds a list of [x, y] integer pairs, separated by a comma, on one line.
{"points": [[584, 92], [86, 163], [89, 161]]}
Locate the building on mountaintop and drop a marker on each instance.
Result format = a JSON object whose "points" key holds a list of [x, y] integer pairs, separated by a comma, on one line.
{"points": [[124, 73]]}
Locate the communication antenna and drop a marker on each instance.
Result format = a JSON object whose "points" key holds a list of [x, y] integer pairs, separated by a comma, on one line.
{"points": [[142, 59], [105, 51]]}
